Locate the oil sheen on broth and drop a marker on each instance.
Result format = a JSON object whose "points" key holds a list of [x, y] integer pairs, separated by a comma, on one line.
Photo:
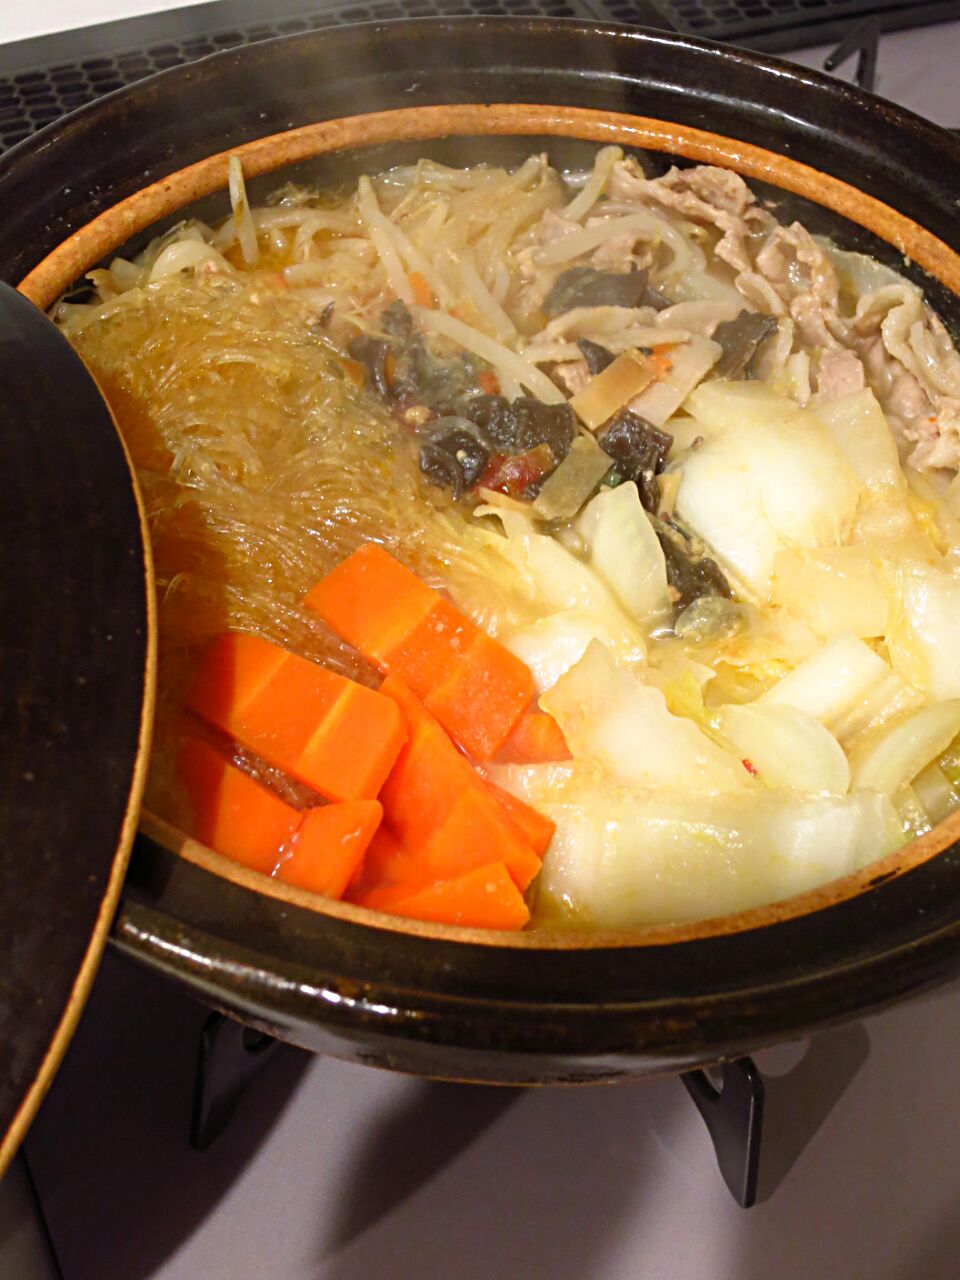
{"points": [[696, 469]]}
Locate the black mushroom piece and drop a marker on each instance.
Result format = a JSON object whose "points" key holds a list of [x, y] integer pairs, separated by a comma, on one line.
{"points": [[588, 287], [597, 357], [416, 376], [522, 425], [397, 322], [691, 573], [372, 354], [740, 339], [639, 451], [455, 454]]}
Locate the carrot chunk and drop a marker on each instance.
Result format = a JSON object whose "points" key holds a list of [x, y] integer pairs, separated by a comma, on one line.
{"points": [[536, 738], [352, 752], [429, 775], [328, 732], [235, 670], [232, 813], [434, 649], [440, 808], [386, 862], [475, 687], [483, 898], [536, 828], [484, 697], [476, 832], [372, 601], [329, 846]]}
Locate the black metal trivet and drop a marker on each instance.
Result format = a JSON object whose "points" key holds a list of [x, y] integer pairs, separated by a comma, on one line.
{"points": [[230, 1055], [733, 1114]]}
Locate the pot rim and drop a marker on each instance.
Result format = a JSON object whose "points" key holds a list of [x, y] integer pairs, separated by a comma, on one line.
{"points": [[504, 1013], [115, 226]]}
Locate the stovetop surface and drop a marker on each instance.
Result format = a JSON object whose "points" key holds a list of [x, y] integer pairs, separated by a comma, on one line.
{"points": [[335, 1172]]}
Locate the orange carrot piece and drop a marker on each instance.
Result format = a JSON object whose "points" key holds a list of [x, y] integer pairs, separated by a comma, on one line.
{"points": [[661, 359], [232, 813], [386, 862], [329, 846], [536, 738], [440, 808], [478, 831], [433, 650], [422, 293], [329, 732], [483, 699], [535, 827], [372, 601], [429, 775], [475, 687], [235, 670], [350, 755], [483, 898], [488, 381]]}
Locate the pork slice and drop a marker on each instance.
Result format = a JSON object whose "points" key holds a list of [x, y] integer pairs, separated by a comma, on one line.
{"points": [[623, 253], [936, 438], [573, 375], [841, 373], [912, 365], [760, 293], [703, 194], [803, 277], [797, 267]]}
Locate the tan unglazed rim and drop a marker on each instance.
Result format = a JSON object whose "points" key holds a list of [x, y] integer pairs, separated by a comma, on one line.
{"points": [[113, 228], [10, 1141]]}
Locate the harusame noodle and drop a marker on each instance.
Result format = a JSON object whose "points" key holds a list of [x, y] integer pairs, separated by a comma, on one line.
{"points": [[696, 469]]}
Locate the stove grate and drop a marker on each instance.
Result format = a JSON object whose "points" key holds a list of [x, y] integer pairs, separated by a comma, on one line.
{"points": [[40, 94], [44, 78], [810, 20]]}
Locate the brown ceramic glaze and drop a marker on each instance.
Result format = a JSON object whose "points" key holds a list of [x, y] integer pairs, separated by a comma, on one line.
{"points": [[266, 155], [113, 228], [546, 1005]]}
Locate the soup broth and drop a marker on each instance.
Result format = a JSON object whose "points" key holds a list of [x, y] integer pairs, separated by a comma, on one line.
{"points": [[679, 484]]}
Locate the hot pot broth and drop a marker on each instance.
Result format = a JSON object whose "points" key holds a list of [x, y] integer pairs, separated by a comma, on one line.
{"points": [[695, 469]]}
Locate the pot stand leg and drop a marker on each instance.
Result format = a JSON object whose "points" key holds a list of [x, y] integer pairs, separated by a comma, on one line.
{"points": [[864, 40], [229, 1056], [733, 1115]]}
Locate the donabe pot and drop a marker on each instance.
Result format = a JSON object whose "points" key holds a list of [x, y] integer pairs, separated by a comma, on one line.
{"points": [[537, 1007]]}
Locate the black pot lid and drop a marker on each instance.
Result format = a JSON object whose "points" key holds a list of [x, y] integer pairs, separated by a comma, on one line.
{"points": [[76, 688]]}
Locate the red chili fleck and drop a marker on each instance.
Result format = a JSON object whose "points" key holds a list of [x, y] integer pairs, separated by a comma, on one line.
{"points": [[513, 473], [750, 767]]}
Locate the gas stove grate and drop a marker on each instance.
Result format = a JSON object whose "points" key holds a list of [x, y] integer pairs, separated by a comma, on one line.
{"points": [[799, 20], [39, 94], [46, 77]]}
